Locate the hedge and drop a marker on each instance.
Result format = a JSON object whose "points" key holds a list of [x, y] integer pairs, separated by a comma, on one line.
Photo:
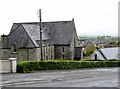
{"points": [[29, 66]]}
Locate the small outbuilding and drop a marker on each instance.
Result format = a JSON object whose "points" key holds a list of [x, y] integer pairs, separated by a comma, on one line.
{"points": [[106, 53]]}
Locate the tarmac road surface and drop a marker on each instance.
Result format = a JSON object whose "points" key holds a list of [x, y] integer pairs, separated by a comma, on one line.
{"points": [[100, 77]]}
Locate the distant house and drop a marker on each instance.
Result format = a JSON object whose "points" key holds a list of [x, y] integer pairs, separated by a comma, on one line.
{"points": [[106, 53], [60, 41]]}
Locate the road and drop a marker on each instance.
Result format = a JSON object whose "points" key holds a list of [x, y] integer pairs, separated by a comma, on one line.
{"points": [[101, 77]]}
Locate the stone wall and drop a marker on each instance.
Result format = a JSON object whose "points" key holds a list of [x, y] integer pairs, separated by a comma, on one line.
{"points": [[21, 55], [74, 43], [29, 54], [62, 52], [8, 66], [6, 53], [47, 52]]}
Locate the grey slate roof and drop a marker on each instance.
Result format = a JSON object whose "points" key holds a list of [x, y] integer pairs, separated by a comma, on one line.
{"points": [[109, 53], [58, 33]]}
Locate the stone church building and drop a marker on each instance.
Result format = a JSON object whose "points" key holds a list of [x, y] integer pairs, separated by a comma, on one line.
{"points": [[59, 41]]}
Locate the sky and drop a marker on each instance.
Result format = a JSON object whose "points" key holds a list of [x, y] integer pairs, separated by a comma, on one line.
{"points": [[92, 17]]}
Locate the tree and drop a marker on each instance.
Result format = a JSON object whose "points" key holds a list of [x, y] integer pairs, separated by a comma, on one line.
{"points": [[90, 49]]}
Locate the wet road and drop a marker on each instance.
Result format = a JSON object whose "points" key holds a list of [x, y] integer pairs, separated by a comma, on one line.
{"points": [[101, 77]]}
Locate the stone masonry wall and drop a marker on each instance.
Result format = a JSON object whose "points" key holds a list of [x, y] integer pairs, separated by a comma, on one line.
{"points": [[74, 43], [62, 52], [47, 52], [21, 55]]}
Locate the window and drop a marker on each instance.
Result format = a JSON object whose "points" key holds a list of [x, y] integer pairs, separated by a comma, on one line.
{"points": [[14, 48], [63, 50]]}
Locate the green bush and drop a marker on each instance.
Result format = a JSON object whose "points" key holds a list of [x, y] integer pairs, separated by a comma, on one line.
{"points": [[90, 49], [29, 66]]}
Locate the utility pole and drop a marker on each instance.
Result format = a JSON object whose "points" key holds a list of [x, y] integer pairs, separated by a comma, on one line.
{"points": [[40, 25]]}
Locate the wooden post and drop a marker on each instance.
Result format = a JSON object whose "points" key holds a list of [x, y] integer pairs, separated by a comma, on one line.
{"points": [[40, 25]]}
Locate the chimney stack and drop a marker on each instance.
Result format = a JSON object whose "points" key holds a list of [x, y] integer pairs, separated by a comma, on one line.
{"points": [[4, 41], [73, 19]]}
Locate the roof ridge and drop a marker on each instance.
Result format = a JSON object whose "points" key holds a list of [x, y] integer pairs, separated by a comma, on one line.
{"points": [[43, 22], [14, 29]]}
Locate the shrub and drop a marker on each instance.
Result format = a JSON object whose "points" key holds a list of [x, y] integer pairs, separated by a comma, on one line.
{"points": [[90, 49], [29, 66]]}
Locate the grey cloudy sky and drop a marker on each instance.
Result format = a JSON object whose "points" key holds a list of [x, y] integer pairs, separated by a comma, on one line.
{"points": [[92, 17]]}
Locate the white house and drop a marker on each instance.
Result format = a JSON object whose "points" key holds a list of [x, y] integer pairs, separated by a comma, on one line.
{"points": [[106, 53]]}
